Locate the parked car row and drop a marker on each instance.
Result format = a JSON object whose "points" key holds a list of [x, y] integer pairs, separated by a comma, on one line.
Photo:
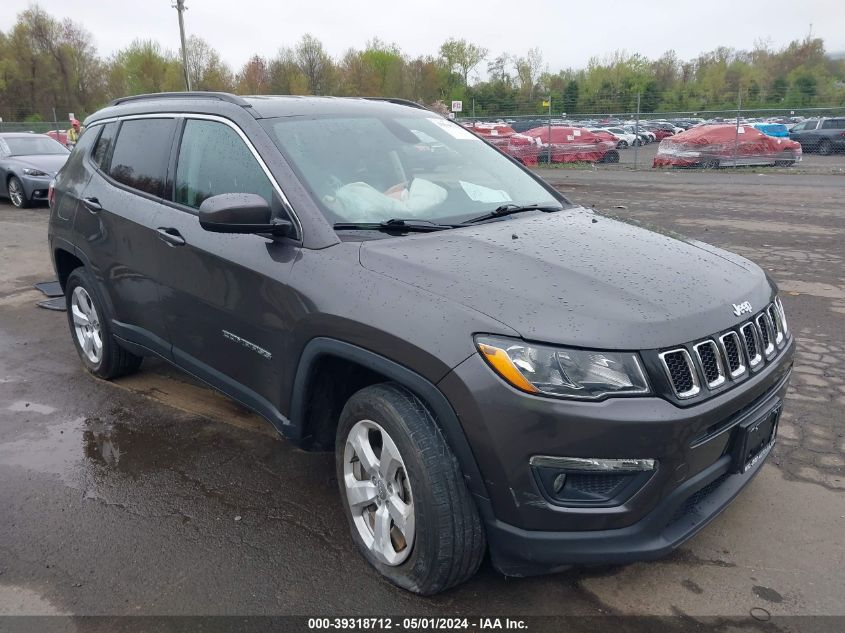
{"points": [[556, 143]]}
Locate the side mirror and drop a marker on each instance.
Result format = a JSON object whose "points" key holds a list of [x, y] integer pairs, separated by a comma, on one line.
{"points": [[240, 213]]}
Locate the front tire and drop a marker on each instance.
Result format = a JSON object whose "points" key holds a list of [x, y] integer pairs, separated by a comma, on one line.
{"points": [[404, 497], [17, 194], [622, 145], [90, 327]]}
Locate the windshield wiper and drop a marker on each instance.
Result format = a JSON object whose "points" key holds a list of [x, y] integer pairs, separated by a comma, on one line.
{"points": [[510, 209], [395, 224]]}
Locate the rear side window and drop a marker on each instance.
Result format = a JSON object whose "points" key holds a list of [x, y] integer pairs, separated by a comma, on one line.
{"points": [[213, 159], [104, 144], [141, 153], [834, 124]]}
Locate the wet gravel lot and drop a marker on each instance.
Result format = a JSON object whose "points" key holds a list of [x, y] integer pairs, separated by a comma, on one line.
{"points": [[155, 496]]}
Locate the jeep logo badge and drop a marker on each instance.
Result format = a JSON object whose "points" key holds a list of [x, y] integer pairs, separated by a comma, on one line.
{"points": [[742, 308]]}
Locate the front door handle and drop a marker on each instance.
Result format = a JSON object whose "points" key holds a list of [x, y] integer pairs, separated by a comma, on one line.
{"points": [[171, 236], [92, 204]]}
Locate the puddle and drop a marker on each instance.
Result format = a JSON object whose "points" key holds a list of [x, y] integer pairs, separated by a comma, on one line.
{"points": [[77, 449]]}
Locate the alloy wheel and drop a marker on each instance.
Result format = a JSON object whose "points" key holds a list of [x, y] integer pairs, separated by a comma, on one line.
{"points": [[86, 325], [378, 492], [16, 193]]}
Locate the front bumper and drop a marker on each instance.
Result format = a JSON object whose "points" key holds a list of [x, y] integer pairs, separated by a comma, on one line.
{"points": [[35, 187], [529, 533]]}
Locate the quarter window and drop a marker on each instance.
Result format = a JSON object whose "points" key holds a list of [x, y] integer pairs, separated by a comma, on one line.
{"points": [[141, 154], [834, 124], [104, 143], [213, 159]]}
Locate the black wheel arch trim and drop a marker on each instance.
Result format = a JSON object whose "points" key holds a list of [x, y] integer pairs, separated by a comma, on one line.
{"points": [[428, 392]]}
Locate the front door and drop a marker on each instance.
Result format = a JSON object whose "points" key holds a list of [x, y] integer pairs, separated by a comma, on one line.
{"points": [[224, 297]]}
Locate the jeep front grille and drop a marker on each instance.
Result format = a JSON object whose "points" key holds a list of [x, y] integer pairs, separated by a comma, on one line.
{"points": [[766, 334], [733, 354], [752, 344], [711, 363], [714, 361], [777, 325], [682, 373]]}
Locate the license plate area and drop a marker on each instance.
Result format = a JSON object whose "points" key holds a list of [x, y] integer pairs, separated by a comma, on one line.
{"points": [[754, 440]]}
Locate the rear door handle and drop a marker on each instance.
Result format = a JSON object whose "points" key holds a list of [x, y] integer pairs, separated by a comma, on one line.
{"points": [[92, 204], [171, 236]]}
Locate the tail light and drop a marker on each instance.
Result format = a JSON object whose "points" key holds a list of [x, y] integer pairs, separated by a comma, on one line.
{"points": [[51, 193]]}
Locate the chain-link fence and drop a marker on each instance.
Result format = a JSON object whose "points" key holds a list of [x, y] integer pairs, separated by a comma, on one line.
{"points": [[807, 139], [23, 121]]}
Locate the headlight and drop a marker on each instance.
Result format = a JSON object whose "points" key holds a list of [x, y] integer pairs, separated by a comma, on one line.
{"points": [[33, 172], [562, 372]]}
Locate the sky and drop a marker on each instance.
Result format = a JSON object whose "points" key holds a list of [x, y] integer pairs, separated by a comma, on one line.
{"points": [[568, 33]]}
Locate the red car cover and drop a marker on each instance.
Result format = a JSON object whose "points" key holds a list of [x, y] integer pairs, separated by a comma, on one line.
{"points": [[607, 136], [711, 145], [503, 136], [571, 144]]}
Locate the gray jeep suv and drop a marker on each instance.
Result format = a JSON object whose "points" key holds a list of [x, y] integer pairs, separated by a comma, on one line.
{"points": [[495, 368]]}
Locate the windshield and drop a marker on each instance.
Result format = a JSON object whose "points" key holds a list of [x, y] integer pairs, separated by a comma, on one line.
{"points": [[33, 145], [378, 167]]}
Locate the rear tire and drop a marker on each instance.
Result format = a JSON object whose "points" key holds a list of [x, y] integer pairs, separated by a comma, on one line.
{"points": [[17, 194], [622, 145], [425, 486], [89, 320], [824, 147]]}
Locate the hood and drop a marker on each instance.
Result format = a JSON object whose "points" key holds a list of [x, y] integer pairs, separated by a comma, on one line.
{"points": [[49, 163], [577, 278]]}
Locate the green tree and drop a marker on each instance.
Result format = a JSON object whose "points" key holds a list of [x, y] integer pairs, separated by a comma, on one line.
{"points": [[462, 57]]}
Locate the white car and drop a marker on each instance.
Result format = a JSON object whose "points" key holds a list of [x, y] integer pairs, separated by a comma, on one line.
{"points": [[626, 138]]}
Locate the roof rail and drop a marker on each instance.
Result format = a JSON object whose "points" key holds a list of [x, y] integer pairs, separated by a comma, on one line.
{"points": [[405, 102], [220, 96]]}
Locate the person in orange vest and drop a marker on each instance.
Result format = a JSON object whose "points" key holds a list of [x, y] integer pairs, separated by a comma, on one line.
{"points": [[73, 133]]}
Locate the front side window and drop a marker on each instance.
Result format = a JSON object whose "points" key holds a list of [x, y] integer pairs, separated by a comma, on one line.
{"points": [[408, 165], [141, 154], [213, 159]]}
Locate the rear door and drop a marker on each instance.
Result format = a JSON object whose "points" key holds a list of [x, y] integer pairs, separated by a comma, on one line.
{"points": [[225, 297], [116, 224]]}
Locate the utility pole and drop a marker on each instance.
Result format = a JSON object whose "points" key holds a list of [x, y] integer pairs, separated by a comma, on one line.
{"points": [[637, 134], [738, 114], [181, 8], [550, 132]]}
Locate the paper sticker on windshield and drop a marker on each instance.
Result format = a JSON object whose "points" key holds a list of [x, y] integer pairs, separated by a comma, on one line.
{"points": [[569, 137], [454, 130], [576, 132], [480, 193], [740, 130]]}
